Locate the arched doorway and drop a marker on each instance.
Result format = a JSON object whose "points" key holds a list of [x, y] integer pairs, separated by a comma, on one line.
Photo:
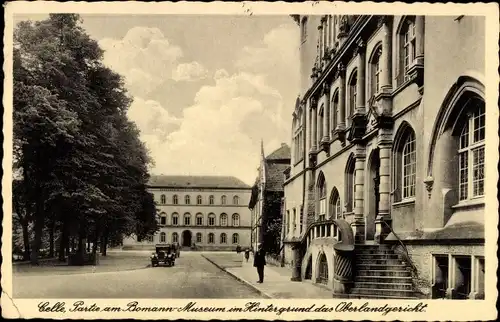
{"points": [[373, 194], [322, 269], [186, 238], [308, 274]]}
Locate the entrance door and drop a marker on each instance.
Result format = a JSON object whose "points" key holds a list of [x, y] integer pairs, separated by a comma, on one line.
{"points": [[373, 194], [186, 238]]}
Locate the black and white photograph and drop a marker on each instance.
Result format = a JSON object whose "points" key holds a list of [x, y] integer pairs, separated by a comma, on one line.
{"points": [[327, 156]]}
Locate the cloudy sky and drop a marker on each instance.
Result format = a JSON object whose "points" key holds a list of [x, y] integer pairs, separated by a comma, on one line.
{"points": [[206, 89]]}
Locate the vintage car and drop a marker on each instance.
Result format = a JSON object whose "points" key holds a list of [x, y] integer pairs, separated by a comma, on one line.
{"points": [[164, 255]]}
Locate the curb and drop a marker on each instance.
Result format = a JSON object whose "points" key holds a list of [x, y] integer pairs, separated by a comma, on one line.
{"points": [[264, 294]]}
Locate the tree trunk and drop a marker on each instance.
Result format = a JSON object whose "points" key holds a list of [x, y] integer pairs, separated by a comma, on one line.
{"points": [[104, 242], [26, 240], [88, 244], [63, 242], [39, 221], [51, 238]]}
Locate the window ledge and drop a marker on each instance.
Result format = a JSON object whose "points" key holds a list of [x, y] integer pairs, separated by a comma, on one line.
{"points": [[404, 202], [469, 203]]}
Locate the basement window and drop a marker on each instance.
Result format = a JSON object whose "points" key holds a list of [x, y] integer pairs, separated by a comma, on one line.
{"points": [[440, 276], [462, 277]]}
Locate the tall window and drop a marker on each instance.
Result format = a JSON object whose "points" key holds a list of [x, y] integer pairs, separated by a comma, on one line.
{"points": [[236, 220], [223, 200], [199, 200], [294, 223], [211, 219], [375, 70], [175, 200], [211, 238], [187, 219], [163, 219], [335, 110], [335, 205], [349, 179], [352, 94], [163, 237], [320, 123], [321, 197], [175, 219], [287, 223], [471, 155], [199, 238], [408, 46], [163, 199], [223, 238], [187, 200], [175, 238], [223, 220], [211, 200], [409, 166], [199, 219], [303, 29], [236, 239], [236, 200]]}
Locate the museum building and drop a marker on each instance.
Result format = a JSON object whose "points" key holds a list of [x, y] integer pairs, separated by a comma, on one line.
{"points": [[384, 197], [208, 212]]}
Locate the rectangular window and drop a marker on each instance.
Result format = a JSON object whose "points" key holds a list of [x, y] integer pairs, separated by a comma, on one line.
{"points": [[478, 171], [479, 278], [199, 221], [440, 276], [211, 221], [462, 277], [163, 220], [463, 174], [287, 223], [294, 225], [175, 220], [187, 221], [322, 209]]}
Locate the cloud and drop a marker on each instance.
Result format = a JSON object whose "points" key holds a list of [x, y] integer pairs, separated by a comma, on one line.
{"points": [[144, 57], [189, 72]]}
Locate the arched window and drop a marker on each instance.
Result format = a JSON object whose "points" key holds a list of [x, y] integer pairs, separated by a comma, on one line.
{"points": [[236, 239], [335, 205], [223, 200], [353, 81], [375, 70], [151, 238], [199, 238], [236, 200], [321, 114], [211, 200], [187, 219], [335, 110], [175, 238], [323, 269], [223, 238], [349, 186], [321, 196], [163, 219], [211, 219], [236, 220], [199, 219], [199, 200], [471, 152], [163, 237], [223, 220], [405, 163], [187, 200], [211, 238], [163, 199], [175, 200], [175, 219], [407, 47]]}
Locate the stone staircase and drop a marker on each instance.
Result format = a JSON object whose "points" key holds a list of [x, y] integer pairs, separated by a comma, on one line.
{"points": [[380, 274]]}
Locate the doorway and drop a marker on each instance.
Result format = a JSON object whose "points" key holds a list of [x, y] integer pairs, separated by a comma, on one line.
{"points": [[373, 194], [186, 238], [308, 273]]}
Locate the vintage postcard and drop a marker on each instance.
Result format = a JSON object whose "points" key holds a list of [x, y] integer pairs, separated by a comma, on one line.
{"points": [[250, 160]]}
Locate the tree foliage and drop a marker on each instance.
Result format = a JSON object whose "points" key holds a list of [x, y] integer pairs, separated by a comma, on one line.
{"points": [[81, 165]]}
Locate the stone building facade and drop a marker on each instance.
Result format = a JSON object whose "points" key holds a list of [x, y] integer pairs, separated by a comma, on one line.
{"points": [[209, 212], [389, 136]]}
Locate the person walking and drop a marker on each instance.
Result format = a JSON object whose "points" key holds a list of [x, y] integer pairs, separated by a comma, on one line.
{"points": [[247, 254], [259, 262]]}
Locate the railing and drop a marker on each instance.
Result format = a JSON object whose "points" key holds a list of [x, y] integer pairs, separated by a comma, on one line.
{"points": [[405, 250]]}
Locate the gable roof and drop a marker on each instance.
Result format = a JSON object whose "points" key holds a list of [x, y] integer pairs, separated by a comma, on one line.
{"points": [[220, 182], [282, 153]]}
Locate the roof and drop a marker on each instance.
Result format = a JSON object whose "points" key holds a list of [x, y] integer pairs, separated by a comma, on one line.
{"points": [[282, 153], [275, 176], [197, 182]]}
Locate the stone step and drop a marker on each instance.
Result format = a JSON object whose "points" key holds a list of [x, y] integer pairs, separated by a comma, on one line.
{"points": [[381, 291], [383, 279], [378, 261], [376, 256], [382, 273], [389, 286], [390, 267], [377, 296], [359, 252]]}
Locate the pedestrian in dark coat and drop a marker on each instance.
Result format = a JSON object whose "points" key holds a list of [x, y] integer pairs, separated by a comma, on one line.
{"points": [[259, 262]]}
